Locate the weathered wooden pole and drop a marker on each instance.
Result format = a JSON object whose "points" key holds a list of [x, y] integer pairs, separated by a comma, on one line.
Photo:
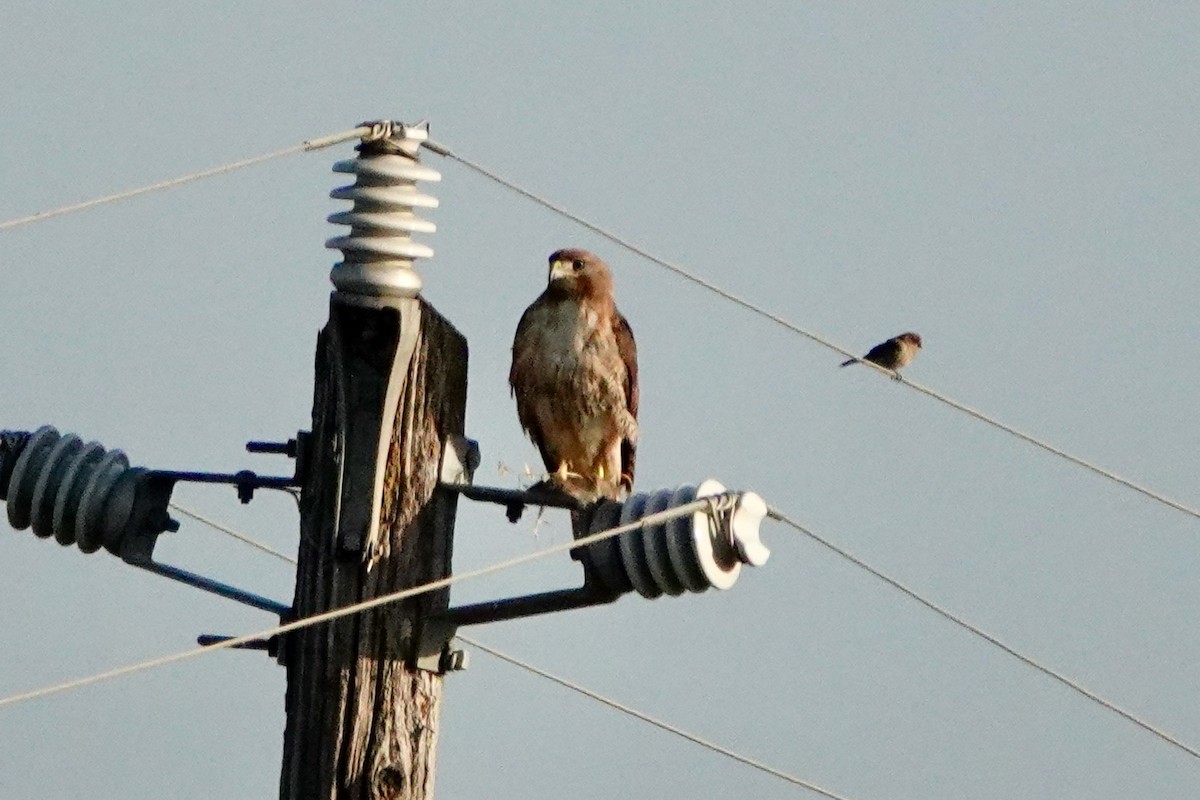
{"points": [[390, 387]]}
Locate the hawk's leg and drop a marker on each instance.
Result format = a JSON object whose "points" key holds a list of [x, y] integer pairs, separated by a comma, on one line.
{"points": [[563, 474]]}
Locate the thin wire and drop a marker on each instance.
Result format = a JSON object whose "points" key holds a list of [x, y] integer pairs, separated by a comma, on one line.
{"points": [[311, 144], [376, 130], [363, 131], [561, 681], [707, 503], [1049, 448], [666, 726], [778, 515], [442, 150], [241, 537]]}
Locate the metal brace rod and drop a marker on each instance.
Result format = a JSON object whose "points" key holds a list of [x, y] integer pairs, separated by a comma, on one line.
{"points": [[529, 605], [246, 481], [269, 645], [216, 587]]}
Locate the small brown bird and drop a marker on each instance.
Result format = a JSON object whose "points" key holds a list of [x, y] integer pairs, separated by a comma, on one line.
{"points": [[896, 352], [575, 377]]}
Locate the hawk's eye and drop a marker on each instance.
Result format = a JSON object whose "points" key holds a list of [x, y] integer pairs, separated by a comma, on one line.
{"points": [[577, 264]]}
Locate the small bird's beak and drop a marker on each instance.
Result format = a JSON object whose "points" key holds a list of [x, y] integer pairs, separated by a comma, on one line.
{"points": [[560, 269]]}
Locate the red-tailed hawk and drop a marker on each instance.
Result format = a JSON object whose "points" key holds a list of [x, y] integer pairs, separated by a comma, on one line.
{"points": [[896, 352], [574, 375]]}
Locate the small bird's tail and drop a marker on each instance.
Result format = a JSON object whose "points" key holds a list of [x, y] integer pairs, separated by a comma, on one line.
{"points": [[850, 361]]}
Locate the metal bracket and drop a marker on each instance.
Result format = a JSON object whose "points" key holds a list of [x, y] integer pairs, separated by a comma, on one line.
{"points": [[90, 496], [593, 592], [436, 652], [295, 449], [153, 494], [246, 481], [366, 406], [514, 500], [460, 459]]}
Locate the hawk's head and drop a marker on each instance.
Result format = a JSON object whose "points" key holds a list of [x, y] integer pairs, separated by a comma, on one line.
{"points": [[578, 273], [910, 337]]}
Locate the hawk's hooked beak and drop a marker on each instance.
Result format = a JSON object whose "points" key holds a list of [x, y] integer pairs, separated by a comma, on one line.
{"points": [[560, 269]]}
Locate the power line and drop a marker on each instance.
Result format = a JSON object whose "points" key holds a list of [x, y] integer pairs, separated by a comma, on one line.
{"points": [[666, 726], [779, 516], [241, 537], [633, 712], [703, 504], [362, 131], [443, 150], [368, 131], [377, 130]]}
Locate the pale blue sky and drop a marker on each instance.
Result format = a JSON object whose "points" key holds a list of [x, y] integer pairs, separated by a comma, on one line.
{"points": [[1017, 182]]}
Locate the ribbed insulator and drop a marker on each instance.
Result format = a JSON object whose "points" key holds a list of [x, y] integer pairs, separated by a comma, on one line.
{"points": [[689, 553], [78, 493], [378, 252]]}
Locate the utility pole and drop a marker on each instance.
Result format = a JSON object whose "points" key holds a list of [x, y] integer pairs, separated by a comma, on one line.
{"points": [[390, 387], [380, 475]]}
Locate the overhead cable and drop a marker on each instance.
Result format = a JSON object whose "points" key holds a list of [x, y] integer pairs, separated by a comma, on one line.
{"points": [[780, 516], [312, 144], [703, 504], [644, 717], [443, 150], [1075, 686], [266, 548]]}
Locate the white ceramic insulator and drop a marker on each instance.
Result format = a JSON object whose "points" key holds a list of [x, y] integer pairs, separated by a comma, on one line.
{"points": [[691, 553], [378, 251]]}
